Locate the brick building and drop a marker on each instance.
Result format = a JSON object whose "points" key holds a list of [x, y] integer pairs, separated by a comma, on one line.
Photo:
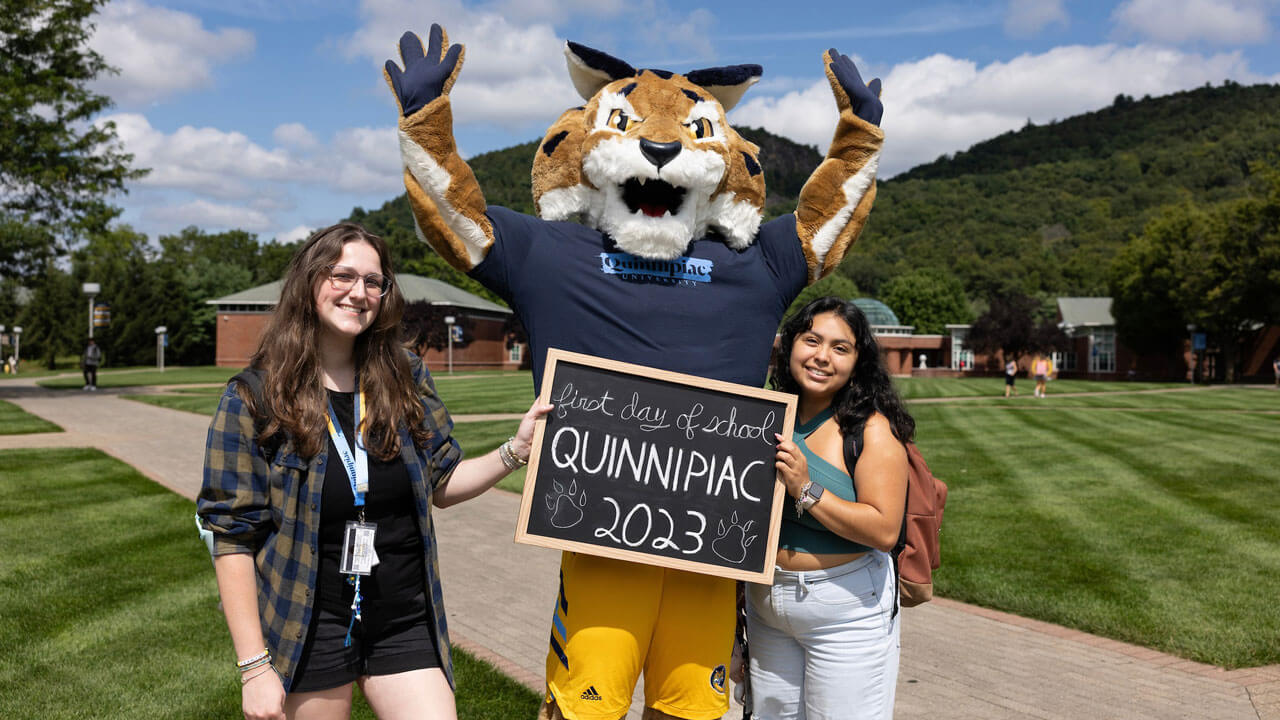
{"points": [[243, 316], [1096, 351]]}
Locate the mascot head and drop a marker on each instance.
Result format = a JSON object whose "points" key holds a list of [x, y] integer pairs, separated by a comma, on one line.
{"points": [[651, 160]]}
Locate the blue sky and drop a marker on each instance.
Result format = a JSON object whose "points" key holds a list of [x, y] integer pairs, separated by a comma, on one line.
{"points": [[272, 115]]}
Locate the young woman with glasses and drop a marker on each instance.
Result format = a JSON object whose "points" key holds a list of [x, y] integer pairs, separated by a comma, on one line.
{"points": [[320, 471], [823, 638]]}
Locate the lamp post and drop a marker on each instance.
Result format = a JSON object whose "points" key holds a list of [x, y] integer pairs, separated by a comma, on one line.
{"points": [[160, 331], [17, 348], [449, 320], [1198, 345], [91, 290]]}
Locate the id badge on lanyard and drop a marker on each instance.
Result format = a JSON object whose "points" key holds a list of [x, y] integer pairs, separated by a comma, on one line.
{"points": [[358, 556]]}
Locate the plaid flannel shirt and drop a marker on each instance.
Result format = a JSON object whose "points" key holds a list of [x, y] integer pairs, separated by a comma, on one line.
{"points": [[270, 507]]}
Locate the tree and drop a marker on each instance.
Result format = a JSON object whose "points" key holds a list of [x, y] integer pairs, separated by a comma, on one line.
{"points": [[1216, 268], [424, 327], [111, 259], [836, 284], [927, 300], [513, 333], [56, 167], [1010, 326], [53, 322]]}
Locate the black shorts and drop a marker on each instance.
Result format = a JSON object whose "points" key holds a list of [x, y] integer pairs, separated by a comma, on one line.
{"points": [[390, 638], [1008, 379]]}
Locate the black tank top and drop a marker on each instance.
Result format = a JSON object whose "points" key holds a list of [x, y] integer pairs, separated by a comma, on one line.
{"points": [[389, 503]]}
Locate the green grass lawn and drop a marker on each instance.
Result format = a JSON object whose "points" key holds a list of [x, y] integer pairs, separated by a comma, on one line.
{"points": [[203, 401], [16, 421], [504, 393], [147, 376], [462, 394], [1184, 398], [34, 367], [1157, 528], [921, 387], [1152, 518], [110, 607]]}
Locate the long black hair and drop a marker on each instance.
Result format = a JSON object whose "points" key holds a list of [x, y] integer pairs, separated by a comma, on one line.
{"points": [[870, 388]]}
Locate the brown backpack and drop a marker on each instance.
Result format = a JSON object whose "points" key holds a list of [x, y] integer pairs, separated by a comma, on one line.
{"points": [[918, 550]]}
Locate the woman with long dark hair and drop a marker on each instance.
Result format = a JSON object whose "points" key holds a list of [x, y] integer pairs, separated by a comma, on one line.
{"points": [[824, 637], [322, 463]]}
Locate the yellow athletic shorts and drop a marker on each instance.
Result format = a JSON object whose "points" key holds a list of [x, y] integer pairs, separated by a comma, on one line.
{"points": [[615, 618]]}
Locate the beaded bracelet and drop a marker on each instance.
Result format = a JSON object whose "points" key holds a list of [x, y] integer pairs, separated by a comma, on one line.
{"points": [[252, 666], [509, 457], [254, 661], [244, 679]]}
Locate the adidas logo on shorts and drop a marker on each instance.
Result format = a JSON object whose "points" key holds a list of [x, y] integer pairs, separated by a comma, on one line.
{"points": [[591, 694]]}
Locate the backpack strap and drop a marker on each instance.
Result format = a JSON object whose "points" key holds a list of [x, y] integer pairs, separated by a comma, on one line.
{"points": [[853, 446]]}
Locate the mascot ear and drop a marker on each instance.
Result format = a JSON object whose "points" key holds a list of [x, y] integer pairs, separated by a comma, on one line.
{"points": [[727, 84], [591, 69]]}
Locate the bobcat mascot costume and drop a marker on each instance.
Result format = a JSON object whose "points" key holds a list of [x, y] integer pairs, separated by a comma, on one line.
{"points": [[648, 248]]}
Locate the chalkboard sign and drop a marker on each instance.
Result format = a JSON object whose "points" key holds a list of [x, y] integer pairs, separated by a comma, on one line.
{"points": [[656, 467]]}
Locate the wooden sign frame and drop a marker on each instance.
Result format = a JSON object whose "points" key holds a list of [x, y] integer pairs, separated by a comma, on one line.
{"points": [[555, 358]]}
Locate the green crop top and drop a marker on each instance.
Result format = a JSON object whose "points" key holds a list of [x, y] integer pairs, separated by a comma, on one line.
{"points": [[805, 533]]}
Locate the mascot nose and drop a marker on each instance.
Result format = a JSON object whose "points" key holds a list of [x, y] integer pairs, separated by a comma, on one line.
{"points": [[659, 153]]}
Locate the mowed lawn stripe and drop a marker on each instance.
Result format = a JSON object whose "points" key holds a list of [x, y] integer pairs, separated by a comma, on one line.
{"points": [[111, 607], [16, 421], [1177, 398], [1144, 527]]}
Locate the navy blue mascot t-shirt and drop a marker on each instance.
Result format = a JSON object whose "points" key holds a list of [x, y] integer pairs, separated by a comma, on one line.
{"points": [[712, 312]]}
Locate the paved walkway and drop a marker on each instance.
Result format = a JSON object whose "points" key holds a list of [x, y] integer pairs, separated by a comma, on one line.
{"points": [[959, 662]]}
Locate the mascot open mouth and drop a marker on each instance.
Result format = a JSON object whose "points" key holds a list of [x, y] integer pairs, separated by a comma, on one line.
{"points": [[654, 198]]}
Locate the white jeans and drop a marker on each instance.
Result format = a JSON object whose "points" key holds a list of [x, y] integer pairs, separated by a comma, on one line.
{"points": [[823, 644]]}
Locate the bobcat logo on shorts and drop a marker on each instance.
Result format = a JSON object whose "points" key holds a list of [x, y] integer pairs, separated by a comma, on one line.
{"points": [[717, 679]]}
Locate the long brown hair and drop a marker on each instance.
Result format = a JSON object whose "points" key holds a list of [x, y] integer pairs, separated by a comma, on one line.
{"points": [[870, 389], [288, 355]]}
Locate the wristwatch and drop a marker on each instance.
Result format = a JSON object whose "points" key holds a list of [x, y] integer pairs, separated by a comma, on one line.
{"points": [[809, 496]]}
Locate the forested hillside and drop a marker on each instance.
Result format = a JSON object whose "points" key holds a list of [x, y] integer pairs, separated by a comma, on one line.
{"points": [[1042, 210]]}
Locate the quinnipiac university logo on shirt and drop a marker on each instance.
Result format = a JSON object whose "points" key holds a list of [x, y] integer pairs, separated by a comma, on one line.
{"points": [[677, 271]]}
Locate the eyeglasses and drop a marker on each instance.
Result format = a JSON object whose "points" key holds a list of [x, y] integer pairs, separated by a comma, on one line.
{"points": [[342, 278]]}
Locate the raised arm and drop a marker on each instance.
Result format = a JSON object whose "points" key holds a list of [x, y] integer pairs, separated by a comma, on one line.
{"points": [[837, 198], [448, 206]]}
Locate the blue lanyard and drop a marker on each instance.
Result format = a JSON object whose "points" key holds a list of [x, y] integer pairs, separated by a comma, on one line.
{"points": [[357, 465]]}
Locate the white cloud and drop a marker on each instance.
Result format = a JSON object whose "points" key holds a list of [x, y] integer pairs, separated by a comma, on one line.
{"points": [[557, 11], [514, 75], [300, 232], [1028, 17], [160, 52], [207, 215], [363, 160], [1224, 22], [220, 164], [942, 104], [294, 135], [227, 169]]}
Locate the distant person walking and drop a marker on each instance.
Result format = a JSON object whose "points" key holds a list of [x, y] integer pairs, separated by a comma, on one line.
{"points": [[1275, 365], [1041, 368], [90, 361], [1010, 370]]}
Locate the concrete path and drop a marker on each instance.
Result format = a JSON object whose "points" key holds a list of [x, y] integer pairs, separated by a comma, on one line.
{"points": [[959, 662]]}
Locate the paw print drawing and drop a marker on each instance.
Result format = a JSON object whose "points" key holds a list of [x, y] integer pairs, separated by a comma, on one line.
{"points": [[566, 505], [732, 541]]}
